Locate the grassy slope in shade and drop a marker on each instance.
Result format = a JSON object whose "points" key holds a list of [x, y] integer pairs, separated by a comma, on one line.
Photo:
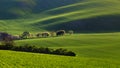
{"points": [[86, 15]]}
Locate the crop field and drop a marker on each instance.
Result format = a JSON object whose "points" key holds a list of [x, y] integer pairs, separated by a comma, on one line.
{"points": [[96, 24], [97, 50]]}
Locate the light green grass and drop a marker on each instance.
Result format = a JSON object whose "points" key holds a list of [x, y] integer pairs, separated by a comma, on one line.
{"points": [[93, 51], [102, 45], [29, 60]]}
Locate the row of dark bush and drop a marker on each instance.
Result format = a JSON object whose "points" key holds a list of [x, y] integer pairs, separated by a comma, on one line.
{"points": [[34, 49]]}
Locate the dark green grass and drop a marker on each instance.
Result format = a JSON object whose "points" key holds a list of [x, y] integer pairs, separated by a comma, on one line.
{"points": [[85, 15]]}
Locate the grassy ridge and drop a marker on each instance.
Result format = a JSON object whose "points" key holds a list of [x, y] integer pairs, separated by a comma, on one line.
{"points": [[20, 8], [79, 16]]}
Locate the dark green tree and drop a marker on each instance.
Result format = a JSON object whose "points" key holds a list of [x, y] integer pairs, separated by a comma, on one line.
{"points": [[25, 35], [7, 40]]}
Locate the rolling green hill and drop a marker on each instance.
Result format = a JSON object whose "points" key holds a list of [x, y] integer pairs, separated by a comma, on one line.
{"points": [[102, 45], [77, 15], [93, 51], [11, 9]]}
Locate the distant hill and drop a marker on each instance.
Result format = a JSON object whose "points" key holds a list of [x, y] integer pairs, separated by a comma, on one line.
{"points": [[16, 8], [77, 15]]}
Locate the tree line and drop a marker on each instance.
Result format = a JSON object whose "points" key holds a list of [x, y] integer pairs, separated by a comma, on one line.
{"points": [[27, 34], [7, 43]]}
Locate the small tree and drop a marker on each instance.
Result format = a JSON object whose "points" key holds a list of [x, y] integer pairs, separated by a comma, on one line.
{"points": [[38, 35], [7, 40], [60, 32], [25, 35], [70, 32], [53, 34], [45, 34]]}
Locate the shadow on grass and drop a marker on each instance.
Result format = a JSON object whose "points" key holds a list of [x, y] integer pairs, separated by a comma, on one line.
{"points": [[108, 23]]}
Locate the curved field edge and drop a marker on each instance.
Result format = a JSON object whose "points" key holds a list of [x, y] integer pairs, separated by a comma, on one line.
{"points": [[13, 59], [99, 50], [97, 45]]}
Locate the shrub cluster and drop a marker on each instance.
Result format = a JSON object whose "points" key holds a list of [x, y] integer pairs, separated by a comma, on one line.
{"points": [[28, 48]]}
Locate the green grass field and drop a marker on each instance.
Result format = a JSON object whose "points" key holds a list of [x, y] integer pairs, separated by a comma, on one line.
{"points": [[94, 50], [97, 50]]}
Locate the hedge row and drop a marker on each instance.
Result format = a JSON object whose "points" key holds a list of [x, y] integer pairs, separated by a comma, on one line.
{"points": [[34, 49]]}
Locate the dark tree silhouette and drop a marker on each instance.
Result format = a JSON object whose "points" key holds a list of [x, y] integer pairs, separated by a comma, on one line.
{"points": [[38, 35], [7, 40], [60, 33], [25, 35], [45, 34]]}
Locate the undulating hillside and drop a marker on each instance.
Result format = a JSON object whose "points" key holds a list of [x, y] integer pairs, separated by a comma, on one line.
{"points": [[78, 15], [100, 50], [11, 9], [93, 50]]}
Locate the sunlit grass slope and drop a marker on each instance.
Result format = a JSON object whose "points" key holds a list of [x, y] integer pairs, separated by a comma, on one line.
{"points": [[85, 15], [29, 60], [85, 45], [93, 51]]}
